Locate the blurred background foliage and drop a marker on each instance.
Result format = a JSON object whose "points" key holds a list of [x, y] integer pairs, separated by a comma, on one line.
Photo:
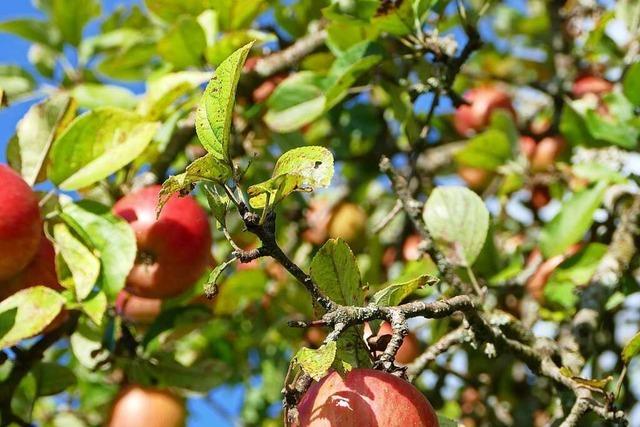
{"points": [[366, 90]]}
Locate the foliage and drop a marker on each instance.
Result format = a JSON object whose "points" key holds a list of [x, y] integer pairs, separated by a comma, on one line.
{"points": [[273, 114]]}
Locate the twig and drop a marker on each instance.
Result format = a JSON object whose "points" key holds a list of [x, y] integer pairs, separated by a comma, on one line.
{"points": [[278, 61], [433, 351]]}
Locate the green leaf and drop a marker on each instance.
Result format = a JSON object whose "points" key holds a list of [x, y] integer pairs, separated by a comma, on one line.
{"points": [[33, 30], [86, 344], [299, 169], [97, 144], [239, 290], [572, 222], [488, 150], [336, 273], [162, 370], [43, 59], [316, 363], [168, 88], [184, 43], [215, 111], [305, 96], [458, 221], [15, 81], [206, 168], [631, 84], [95, 307], [421, 8], [574, 271], [83, 264], [94, 95], [27, 312], [573, 126], [595, 172], [112, 238], [70, 17], [219, 204], [36, 132], [169, 10], [52, 378], [446, 422], [395, 293], [612, 130], [631, 349]]}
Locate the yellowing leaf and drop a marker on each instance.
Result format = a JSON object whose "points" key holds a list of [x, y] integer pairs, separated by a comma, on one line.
{"points": [[27, 312]]}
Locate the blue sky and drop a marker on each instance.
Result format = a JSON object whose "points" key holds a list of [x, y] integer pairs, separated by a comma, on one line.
{"points": [[14, 51]]}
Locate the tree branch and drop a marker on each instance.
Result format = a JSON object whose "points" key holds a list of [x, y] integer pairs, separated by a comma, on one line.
{"points": [[278, 61]]}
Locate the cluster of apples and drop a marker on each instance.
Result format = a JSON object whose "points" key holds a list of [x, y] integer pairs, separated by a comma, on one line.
{"points": [[174, 250]]}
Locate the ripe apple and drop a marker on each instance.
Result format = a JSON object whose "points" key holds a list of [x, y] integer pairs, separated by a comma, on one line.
{"points": [[137, 310], [408, 351], [477, 179], [317, 216], [483, 101], [540, 196], [41, 271], [314, 336], [411, 248], [173, 250], [348, 221], [591, 84], [20, 223], [547, 152], [136, 406], [527, 146], [536, 283], [364, 398], [266, 88]]}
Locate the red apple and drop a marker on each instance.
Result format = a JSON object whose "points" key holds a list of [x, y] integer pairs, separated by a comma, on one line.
{"points": [[537, 282], [364, 398], [547, 152], [20, 223], [173, 250], [477, 179], [527, 146], [314, 336], [137, 310], [41, 271], [540, 196], [318, 215], [408, 351], [483, 101], [411, 248], [591, 84], [266, 88], [136, 406]]}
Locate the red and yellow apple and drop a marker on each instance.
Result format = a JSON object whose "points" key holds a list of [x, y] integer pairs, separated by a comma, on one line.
{"points": [[590, 84], [174, 250], [482, 102], [137, 310], [138, 406], [364, 398], [20, 223], [348, 222], [477, 179], [547, 152]]}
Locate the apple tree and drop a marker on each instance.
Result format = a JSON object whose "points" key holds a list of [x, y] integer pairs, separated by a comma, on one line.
{"points": [[362, 212]]}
